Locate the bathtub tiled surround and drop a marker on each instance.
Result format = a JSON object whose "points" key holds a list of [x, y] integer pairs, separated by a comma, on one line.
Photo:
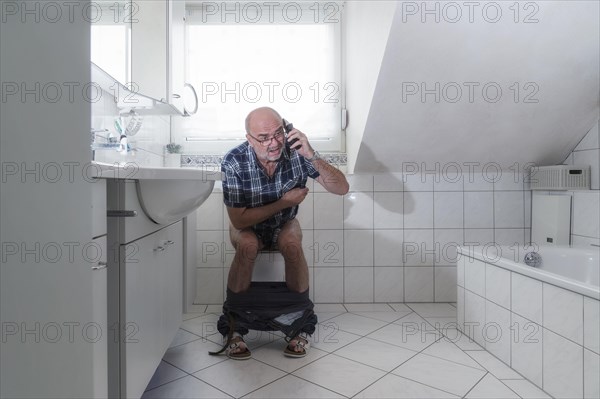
{"points": [[548, 334], [392, 238]]}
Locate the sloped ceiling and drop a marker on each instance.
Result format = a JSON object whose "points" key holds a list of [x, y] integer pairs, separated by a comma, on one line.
{"points": [[547, 71]]}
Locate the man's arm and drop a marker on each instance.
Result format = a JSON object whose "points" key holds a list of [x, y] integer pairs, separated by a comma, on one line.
{"points": [[242, 218], [331, 177]]}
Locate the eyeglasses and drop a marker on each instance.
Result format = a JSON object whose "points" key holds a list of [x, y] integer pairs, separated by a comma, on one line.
{"points": [[265, 141]]}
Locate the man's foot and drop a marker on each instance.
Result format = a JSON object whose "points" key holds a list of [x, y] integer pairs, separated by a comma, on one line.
{"points": [[297, 347], [237, 349]]}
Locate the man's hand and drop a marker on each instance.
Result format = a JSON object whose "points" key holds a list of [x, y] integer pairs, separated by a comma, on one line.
{"points": [[302, 145], [295, 196]]}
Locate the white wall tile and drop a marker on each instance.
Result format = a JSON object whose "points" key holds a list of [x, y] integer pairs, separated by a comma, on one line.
{"points": [[476, 180], [446, 242], [510, 237], [460, 270], [563, 312], [445, 284], [497, 331], [418, 247], [475, 276], [590, 141], [479, 236], [527, 206], [563, 366], [418, 210], [526, 297], [448, 209], [358, 210], [527, 348], [497, 285], [209, 248], [450, 178], [586, 213], [508, 180], [418, 181], [474, 317], [388, 182], [579, 241], [591, 374], [389, 284], [329, 211], [306, 212], [387, 247], [328, 248], [508, 209], [209, 286], [329, 284], [418, 284], [479, 209], [388, 210], [460, 307], [591, 324], [591, 158], [210, 215], [358, 284], [360, 182], [358, 247]]}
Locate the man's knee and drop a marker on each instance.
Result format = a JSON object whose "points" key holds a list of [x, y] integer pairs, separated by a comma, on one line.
{"points": [[247, 245]]}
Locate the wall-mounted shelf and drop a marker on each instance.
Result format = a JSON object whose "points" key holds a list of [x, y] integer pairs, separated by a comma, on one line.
{"points": [[126, 99]]}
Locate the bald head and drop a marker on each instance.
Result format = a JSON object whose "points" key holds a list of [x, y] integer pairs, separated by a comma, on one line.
{"points": [[260, 114]]}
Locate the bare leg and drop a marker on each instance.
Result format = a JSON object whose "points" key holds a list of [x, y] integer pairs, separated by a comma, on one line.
{"points": [[246, 246], [290, 245]]}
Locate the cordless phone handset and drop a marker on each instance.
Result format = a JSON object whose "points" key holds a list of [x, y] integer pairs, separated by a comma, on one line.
{"points": [[288, 127]]}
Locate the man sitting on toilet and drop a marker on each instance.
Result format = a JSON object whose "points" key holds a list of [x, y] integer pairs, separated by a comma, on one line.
{"points": [[263, 184]]}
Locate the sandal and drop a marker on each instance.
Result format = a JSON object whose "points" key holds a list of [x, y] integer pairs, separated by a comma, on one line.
{"points": [[300, 341], [236, 344]]}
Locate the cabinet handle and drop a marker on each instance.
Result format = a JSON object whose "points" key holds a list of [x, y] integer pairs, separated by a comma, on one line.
{"points": [[101, 265], [159, 249], [169, 242], [121, 214], [176, 95]]}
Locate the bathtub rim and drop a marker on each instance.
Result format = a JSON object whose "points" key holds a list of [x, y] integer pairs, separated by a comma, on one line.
{"points": [[544, 276]]}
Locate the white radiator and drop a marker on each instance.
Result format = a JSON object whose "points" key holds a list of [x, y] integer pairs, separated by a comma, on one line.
{"points": [[561, 177]]}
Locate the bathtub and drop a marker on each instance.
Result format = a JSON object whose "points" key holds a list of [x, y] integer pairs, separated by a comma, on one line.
{"points": [[542, 321]]}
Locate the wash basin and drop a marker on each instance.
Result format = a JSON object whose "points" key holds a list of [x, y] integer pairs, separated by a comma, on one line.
{"points": [[165, 194]]}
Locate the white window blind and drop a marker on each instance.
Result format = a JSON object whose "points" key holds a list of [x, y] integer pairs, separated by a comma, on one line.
{"points": [[241, 56]]}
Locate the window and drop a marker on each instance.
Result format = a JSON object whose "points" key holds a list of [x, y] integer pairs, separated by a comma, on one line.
{"points": [[240, 56]]}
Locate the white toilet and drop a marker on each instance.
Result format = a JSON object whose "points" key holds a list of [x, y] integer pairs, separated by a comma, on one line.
{"points": [[269, 266]]}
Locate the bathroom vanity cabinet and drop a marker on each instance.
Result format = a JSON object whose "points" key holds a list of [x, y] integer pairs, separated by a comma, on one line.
{"points": [[145, 290], [158, 50]]}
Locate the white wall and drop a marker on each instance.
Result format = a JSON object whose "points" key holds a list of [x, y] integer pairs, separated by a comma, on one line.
{"points": [[44, 291]]}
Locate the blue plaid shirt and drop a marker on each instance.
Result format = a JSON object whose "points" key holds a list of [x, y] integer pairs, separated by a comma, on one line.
{"points": [[246, 185]]}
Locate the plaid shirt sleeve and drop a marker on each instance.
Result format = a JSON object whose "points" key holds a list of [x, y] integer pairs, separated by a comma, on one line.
{"points": [[233, 191], [312, 172]]}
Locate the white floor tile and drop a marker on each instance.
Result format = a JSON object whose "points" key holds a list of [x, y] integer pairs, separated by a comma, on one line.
{"points": [[217, 309], [193, 356], [163, 374], [433, 309], [328, 337], [368, 307], [445, 349], [239, 377], [183, 337], [323, 316], [376, 354], [187, 387], [340, 375], [491, 388], [400, 307], [329, 307], [442, 323], [405, 337], [493, 365], [356, 324], [395, 387], [272, 354], [526, 389], [291, 387], [383, 316], [441, 374], [461, 340], [203, 326], [413, 319]]}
